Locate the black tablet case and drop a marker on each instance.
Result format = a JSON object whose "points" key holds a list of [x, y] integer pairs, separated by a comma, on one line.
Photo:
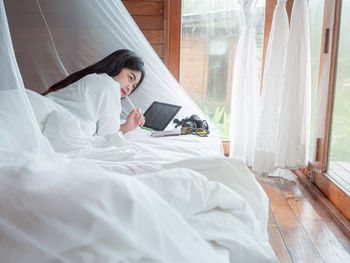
{"points": [[159, 114]]}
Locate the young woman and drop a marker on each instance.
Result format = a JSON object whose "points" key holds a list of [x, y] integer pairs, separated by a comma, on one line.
{"points": [[94, 94]]}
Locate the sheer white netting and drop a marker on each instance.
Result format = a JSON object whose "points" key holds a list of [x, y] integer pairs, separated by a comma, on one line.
{"points": [[18, 127], [66, 36], [38, 196], [271, 97]]}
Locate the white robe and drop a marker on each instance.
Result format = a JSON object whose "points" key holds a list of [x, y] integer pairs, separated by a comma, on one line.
{"points": [[95, 101]]}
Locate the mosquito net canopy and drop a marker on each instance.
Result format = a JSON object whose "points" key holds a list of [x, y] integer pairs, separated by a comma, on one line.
{"points": [[18, 127], [54, 38], [45, 200]]}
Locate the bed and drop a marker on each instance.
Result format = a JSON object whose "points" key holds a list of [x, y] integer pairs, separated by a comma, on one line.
{"points": [[134, 198], [129, 198]]}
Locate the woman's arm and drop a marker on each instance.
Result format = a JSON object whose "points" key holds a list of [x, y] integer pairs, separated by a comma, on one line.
{"points": [[135, 119]]}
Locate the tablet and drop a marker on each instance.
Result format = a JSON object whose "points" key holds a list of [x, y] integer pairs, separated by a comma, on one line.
{"points": [[159, 115]]}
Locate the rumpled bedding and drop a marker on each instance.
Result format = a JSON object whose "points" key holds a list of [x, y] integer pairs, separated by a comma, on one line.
{"points": [[169, 199], [66, 210]]}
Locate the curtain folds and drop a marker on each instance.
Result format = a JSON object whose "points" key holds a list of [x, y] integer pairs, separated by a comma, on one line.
{"points": [[294, 123], [245, 90], [273, 131], [271, 98]]}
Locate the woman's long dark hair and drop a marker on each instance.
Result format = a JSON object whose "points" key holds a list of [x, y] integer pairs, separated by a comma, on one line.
{"points": [[111, 65]]}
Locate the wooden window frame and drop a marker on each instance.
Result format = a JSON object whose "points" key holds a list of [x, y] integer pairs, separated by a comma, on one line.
{"points": [[316, 172], [172, 36]]}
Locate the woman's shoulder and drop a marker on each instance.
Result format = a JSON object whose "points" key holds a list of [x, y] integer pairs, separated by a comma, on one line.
{"points": [[99, 85], [100, 79]]}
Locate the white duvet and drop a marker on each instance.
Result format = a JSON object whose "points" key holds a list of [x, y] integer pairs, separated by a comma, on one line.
{"points": [[133, 198], [71, 211]]}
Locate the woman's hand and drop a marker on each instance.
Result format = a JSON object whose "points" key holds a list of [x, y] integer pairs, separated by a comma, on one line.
{"points": [[134, 120]]}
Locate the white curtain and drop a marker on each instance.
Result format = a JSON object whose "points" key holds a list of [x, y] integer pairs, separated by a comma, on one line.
{"points": [[282, 134], [245, 89], [293, 143], [271, 97]]}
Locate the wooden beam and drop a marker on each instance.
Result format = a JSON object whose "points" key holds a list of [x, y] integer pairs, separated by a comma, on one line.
{"points": [[172, 36]]}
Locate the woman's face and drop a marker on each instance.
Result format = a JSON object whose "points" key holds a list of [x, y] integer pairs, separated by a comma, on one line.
{"points": [[128, 80]]}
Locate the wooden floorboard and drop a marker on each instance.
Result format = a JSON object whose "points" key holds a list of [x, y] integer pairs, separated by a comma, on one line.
{"points": [[300, 228], [276, 240]]}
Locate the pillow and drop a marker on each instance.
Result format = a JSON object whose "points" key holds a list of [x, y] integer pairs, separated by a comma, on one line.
{"points": [[42, 107], [63, 130]]}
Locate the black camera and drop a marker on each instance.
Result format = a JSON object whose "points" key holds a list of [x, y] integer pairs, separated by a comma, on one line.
{"points": [[193, 121]]}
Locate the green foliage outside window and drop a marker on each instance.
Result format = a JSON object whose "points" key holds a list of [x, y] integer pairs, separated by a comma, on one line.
{"points": [[221, 118]]}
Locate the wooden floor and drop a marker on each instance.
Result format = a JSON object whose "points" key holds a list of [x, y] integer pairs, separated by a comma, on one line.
{"points": [[301, 228]]}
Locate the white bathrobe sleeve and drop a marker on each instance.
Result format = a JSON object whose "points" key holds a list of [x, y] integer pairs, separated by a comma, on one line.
{"points": [[108, 125], [95, 101], [103, 96]]}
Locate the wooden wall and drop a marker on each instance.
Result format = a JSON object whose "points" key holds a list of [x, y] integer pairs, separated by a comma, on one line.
{"points": [[149, 16], [160, 22]]}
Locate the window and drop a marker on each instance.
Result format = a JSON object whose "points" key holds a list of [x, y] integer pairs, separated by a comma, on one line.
{"points": [[210, 32], [339, 154], [329, 162], [315, 29]]}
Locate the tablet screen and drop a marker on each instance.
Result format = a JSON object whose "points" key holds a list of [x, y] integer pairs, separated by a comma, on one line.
{"points": [[159, 115]]}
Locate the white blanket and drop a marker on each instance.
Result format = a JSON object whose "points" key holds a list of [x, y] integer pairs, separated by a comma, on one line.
{"points": [[72, 211], [217, 198]]}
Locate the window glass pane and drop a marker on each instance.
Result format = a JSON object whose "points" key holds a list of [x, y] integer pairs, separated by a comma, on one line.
{"points": [[339, 157], [217, 69], [315, 29], [210, 33]]}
